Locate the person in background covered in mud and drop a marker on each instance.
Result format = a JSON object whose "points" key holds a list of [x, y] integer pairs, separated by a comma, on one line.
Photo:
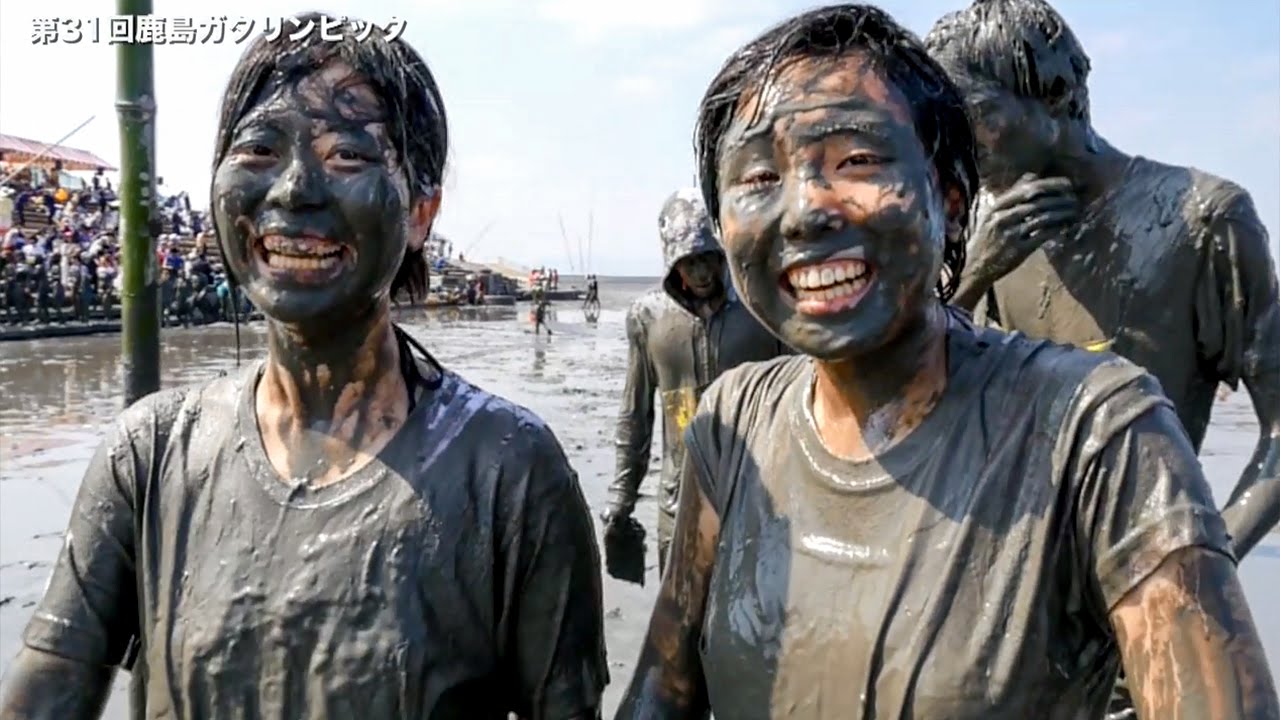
{"points": [[592, 298], [918, 517], [682, 336], [345, 529], [540, 306], [1080, 243]]}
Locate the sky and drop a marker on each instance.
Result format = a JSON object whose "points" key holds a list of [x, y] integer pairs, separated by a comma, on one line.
{"points": [[571, 120]]}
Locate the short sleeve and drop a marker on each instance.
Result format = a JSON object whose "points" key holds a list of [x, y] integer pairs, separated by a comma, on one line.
{"points": [[730, 420], [1142, 496], [89, 610], [1237, 310], [559, 658], [702, 440]]}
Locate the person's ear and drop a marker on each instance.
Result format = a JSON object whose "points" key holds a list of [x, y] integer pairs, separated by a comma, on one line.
{"points": [[421, 217], [956, 212]]}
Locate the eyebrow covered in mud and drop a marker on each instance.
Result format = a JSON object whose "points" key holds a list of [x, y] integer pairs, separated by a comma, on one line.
{"points": [[853, 116]]}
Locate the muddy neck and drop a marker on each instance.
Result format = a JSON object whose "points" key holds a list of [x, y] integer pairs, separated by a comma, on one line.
{"points": [[708, 306], [327, 375], [878, 391], [1093, 170]]}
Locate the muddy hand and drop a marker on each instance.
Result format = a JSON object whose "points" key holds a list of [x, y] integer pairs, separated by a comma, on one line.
{"points": [[624, 548], [1010, 226]]}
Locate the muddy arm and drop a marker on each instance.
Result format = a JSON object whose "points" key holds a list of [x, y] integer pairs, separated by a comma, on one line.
{"points": [[634, 436], [82, 627], [1254, 507], [1162, 566], [668, 683], [1238, 330], [1189, 645], [42, 686], [974, 284]]}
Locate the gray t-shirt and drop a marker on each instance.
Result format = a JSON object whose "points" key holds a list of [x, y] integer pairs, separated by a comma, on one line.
{"points": [[965, 574], [1171, 270], [455, 576]]}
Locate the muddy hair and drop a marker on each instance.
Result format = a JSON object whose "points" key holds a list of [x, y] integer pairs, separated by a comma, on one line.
{"points": [[1022, 46], [833, 32], [416, 121]]}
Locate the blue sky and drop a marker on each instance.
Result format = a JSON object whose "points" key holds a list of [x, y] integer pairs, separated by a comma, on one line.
{"points": [[580, 109]]}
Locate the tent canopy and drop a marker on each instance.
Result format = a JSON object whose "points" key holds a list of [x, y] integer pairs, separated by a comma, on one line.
{"points": [[20, 150]]}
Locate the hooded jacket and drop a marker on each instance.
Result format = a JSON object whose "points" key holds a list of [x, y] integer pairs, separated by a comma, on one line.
{"points": [[675, 354]]}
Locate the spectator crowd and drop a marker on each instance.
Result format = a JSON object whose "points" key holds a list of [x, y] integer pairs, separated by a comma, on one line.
{"points": [[59, 262]]}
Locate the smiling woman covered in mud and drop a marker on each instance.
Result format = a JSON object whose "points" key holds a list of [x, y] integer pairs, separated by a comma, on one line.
{"points": [[345, 530], [917, 518]]}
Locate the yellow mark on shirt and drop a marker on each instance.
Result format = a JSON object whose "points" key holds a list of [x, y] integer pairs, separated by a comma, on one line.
{"points": [[1100, 345], [679, 405]]}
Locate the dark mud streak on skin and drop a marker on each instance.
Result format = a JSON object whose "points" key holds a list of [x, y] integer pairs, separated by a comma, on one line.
{"points": [[668, 682], [1002, 472], [1189, 644], [390, 593], [779, 175], [780, 205], [682, 336], [312, 159], [1160, 236], [1081, 243]]}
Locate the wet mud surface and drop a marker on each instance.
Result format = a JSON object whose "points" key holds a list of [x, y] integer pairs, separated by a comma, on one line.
{"points": [[56, 396]]}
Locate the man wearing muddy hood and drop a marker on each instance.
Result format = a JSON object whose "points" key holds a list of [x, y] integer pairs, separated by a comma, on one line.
{"points": [[1080, 243], [682, 336]]}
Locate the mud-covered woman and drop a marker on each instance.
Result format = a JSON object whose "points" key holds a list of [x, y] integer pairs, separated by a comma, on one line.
{"points": [[917, 517], [345, 529]]}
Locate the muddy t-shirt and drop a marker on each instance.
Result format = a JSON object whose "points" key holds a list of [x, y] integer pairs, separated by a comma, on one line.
{"points": [[677, 354], [965, 574], [455, 576], [1171, 270]]}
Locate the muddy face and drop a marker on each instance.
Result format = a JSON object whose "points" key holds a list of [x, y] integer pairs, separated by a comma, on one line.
{"points": [[312, 204], [1015, 136], [702, 274], [831, 215]]}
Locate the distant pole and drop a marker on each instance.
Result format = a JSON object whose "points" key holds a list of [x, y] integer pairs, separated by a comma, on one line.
{"points": [[139, 301]]}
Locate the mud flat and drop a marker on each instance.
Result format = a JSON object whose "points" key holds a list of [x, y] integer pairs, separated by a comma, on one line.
{"points": [[55, 396]]}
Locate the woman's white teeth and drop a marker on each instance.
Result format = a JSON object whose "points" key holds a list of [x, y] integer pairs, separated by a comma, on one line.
{"points": [[292, 262], [839, 290], [828, 276]]}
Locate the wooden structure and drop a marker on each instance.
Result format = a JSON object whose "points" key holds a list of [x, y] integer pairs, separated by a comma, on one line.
{"points": [[18, 151]]}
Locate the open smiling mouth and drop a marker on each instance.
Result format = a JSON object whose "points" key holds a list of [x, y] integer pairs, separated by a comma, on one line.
{"points": [[829, 286], [305, 257]]}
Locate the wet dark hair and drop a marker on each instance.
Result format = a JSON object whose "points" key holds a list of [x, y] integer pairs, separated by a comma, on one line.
{"points": [[833, 32], [416, 121], [1022, 46]]}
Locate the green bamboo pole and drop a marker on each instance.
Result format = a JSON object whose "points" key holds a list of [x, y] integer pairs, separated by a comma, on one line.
{"points": [[139, 302]]}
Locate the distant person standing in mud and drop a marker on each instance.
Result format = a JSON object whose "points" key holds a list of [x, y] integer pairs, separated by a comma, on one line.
{"points": [[592, 300], [682, 335], [918, 517], [540, 306], [1080, 243], [345, 529]]}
